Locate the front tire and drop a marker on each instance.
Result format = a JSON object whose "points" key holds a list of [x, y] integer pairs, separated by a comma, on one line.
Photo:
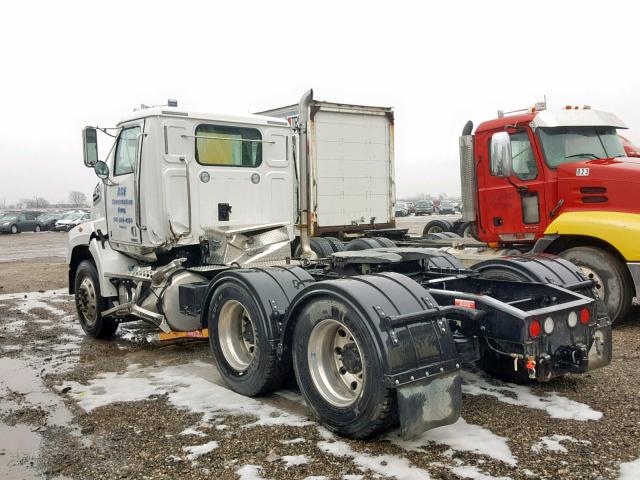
{"points": [[338, 371], [609, 272], [37, 229], [239, 342], [14, 229], [90, 304]]}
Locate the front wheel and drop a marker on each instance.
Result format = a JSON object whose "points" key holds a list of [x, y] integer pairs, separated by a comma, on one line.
{"points": [[239, 342], [90, 304], [14, 229], [37, 229], [613, 287], [339, 372]]}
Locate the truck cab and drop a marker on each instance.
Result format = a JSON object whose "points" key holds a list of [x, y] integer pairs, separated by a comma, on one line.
{"points": [[176, 179], [559, 179]]}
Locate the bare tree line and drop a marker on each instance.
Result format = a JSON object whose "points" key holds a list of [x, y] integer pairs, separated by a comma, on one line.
{"points": [[75, 199]]}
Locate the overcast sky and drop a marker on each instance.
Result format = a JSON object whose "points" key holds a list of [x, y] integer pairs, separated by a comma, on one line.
{"points": [[438, 63]]}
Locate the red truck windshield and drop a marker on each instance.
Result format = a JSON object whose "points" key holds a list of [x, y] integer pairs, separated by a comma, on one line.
{"points": [[571, 144]]}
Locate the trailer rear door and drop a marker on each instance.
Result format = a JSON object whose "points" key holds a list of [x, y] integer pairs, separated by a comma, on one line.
{"points": [[352, 155]]}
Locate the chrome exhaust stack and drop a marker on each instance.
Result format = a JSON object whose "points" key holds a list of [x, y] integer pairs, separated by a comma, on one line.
{"points": [[306, 215]]}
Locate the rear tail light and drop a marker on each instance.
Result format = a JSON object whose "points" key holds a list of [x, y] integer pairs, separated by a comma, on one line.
{"points": [[584, 316], [572, 319], [535, 328]]}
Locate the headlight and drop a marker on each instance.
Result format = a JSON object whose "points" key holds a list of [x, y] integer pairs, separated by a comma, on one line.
{"points": [[5, 224], [548, 325], [572, 320]]}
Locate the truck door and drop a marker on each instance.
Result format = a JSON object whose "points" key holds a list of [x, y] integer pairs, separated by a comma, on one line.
{"points": [[513, 205], [243, 175], [121, 192]]}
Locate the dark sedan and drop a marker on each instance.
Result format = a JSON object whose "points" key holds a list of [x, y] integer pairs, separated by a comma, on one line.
{"points": [[19, 222], [424, 207], [48, 220]]}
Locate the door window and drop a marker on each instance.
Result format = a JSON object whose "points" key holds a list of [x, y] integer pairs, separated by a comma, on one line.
{"points": [[228, 146], [126, 151], [523, 160]]}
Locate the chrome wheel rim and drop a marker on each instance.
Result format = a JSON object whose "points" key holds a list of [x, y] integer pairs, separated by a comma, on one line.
{"points": [[37, 228], [435, 229], [87, 301], [14, 229], [592, 275], [237, 335], [335, 363]]}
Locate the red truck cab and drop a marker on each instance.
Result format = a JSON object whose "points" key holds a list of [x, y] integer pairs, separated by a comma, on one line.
{"points": [[561, 179]]}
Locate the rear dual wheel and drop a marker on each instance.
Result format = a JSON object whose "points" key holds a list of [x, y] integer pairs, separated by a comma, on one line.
{"points": [[339, 372], [239, 341]]}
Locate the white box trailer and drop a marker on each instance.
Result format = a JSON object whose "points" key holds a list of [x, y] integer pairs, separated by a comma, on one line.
{"points": [[352, 166]]}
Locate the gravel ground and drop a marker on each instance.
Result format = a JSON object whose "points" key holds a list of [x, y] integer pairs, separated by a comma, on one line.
{"points": [[73, 407]]}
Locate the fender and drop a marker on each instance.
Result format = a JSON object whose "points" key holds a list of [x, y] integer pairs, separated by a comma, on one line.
{"points": [[273, 289], [620, 230], [408, 351], [109, 263]]}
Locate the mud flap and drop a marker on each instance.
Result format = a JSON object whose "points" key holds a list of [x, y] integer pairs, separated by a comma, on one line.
{"points": [[429, 403], [601, 348]]}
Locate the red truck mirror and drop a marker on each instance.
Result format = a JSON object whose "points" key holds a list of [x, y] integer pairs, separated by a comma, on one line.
{"points": [[501, 154]]}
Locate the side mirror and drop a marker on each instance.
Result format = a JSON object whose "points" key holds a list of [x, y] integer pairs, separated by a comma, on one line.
{"points": [[101, 169], [501, 154], [90, 146]]}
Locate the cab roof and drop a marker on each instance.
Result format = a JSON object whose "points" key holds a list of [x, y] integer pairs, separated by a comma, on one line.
{"points": [[174, 112], [555, 118]]}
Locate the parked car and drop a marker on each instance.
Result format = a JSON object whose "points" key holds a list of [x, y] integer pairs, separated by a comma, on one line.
{"points": [[19, 222], [67, 222], [401, 210], [411, 207], [446, 208], [424, 207], [48, 220]]}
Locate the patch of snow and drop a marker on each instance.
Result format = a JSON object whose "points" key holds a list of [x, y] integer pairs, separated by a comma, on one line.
{"points": [[12, 348], [630, 470], [352, 477], [293, 440], [553, 443], [386, 465], [15, 325], [461, 436], [555, 405], [293, 460], [473, 473], [193, 431], [316, 477], [291, 395], [196, 451], [528, 473], [184, 390], [221, 427], [249, 472]]}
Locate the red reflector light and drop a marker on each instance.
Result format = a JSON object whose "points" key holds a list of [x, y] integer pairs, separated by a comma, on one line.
{"points": [[535, 328], [584, 316], [459, 302]]}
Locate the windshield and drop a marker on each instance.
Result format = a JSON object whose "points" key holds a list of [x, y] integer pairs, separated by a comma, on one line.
{"points": [[572, 144], [8, 218], [423, 204]]}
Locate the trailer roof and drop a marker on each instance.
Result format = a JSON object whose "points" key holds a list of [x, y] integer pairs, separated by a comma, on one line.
{"points": [[174, 112]]}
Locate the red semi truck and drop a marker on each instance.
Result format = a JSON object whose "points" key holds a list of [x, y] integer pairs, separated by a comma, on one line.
{"points": [[562, 182]]}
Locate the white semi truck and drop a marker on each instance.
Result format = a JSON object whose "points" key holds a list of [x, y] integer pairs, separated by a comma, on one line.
{"points": [[195, 221]]}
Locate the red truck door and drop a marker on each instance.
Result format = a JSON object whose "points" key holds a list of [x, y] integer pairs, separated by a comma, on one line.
{"points": [[512, 207]]}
